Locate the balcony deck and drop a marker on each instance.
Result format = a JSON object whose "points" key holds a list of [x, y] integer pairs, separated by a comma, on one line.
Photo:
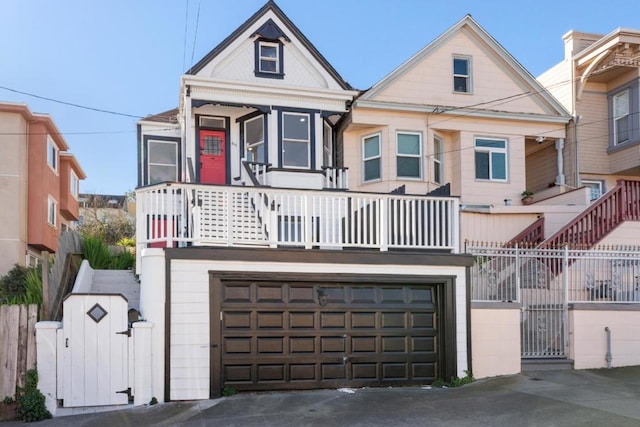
{"points": [[182, 214]]}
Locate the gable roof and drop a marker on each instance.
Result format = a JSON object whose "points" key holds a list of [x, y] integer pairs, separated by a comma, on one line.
{"points": [[168, 116], [270, 30], [482, 34]]}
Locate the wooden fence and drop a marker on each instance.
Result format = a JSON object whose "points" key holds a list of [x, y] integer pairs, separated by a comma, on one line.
{"points": [[17, 345]]}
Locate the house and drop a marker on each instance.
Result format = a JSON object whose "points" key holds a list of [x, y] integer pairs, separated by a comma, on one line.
{"points": [[597, 82], [273, 274], [40, 179]]}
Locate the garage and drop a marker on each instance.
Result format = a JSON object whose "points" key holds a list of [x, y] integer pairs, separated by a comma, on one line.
{"points": [[320, 333]]}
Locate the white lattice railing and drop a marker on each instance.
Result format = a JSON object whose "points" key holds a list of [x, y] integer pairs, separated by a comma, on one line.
{"points": [[173, 214]]}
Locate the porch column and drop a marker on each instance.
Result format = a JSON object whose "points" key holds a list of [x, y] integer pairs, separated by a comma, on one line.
{"points": [[559, 148]]}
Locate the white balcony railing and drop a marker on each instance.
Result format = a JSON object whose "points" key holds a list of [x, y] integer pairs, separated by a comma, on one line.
{"points": [[180, 214]]}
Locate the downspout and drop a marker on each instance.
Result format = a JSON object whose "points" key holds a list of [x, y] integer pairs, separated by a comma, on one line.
{"points": [[608, 356], [576, 119]]}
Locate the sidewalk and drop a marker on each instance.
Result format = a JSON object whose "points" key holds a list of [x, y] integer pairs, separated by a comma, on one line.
{"points": [[537, 398]]}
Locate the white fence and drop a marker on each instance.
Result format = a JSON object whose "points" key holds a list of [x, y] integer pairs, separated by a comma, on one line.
{"points": [[179, 214]]}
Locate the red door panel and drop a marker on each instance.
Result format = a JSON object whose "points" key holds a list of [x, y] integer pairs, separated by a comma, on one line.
{"points": [[213, 165]]}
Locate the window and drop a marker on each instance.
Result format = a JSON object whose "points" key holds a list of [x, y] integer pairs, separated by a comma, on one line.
{"points": [[409, 155], [52, 211], [296, 140], [74, 184], [327, 146], [162, 161], [621, 117], [437, 160], [491, 159], [254, 139], [461, 75], [371, 158], [52, 154], [596, 188], [213, 122], [269, 62]]}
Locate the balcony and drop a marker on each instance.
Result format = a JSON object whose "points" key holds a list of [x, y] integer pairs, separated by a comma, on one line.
{"points": [[182, 214]]}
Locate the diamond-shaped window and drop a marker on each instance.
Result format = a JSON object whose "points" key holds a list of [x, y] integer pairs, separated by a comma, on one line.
{"points": [[97, 313]]}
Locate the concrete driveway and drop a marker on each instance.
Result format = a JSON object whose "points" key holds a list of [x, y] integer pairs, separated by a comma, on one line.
{"points": [[538, 398]]}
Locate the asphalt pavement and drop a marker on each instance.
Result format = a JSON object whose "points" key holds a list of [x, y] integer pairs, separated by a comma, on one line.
{"points": [[602, 397]]}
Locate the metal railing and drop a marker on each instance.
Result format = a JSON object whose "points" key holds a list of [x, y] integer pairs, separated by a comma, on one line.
{"points": [[179, 214], [602, 275]]}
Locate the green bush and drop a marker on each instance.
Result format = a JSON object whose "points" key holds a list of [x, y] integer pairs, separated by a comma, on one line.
{"points": [[21, 285], [30, 401], [128, 242], [123, 261], [96, 252], [229, 391]]}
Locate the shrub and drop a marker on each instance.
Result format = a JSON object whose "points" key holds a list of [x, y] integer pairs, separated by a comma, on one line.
{"points": [[122, 261], [96, 252], [21, 285], [30, 401]]}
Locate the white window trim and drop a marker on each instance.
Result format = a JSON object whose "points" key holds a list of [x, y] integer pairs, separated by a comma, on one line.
{"points": [[52, 204], [418, 156], [149, 163], [617, 118], [74, 184], [492, 150], [327, 150], [438, 158], [51, 145], [365, 159], [298, 141], [590, 183], [275, 60], [247, 146], [468, 76]]}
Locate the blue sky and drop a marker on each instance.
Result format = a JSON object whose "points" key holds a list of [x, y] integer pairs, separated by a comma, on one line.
{"points": [[126, 56]]}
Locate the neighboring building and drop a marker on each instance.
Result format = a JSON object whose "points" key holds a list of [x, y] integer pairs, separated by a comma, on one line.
{"points": [[39, 186], [276, 277], [598, 82]]}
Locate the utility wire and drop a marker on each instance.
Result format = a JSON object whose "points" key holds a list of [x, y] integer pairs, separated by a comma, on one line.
{"points": [[71, 104], [184, 47], [195, 35]]}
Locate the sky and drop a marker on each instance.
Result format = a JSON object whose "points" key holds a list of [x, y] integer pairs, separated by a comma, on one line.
{"points": [[126, 56]]}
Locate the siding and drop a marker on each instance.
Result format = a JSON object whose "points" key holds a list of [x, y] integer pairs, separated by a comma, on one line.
{"points": [[542, 168], [593, 130], [494, 227], [431, 80], [557, 80]]}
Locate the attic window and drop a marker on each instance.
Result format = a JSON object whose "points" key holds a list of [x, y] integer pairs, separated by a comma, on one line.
{"points": [[269, 62], [461, 74]]}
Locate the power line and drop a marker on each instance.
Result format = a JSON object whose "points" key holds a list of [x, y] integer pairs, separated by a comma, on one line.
{"points": [[184, 47], [71, 104], [195, 36]]}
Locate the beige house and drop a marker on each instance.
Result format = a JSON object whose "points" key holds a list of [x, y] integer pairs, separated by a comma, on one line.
{"points": [[462, 112], [597, 82]]}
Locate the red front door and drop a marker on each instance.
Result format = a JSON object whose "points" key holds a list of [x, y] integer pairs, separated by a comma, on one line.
{"points": [[213, 165]]}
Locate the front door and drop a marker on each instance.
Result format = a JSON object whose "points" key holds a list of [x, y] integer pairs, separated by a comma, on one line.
{"points": [[213, 165]]}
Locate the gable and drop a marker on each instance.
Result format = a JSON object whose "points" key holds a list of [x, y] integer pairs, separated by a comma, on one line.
{"points": [[298, 63], [497, 81]]}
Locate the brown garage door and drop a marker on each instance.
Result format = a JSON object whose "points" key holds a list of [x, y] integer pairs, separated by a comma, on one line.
{"points": [[301, 335]]}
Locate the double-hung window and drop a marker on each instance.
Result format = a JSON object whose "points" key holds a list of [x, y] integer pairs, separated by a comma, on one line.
{"points": [[461, 74], [269, 61], [296, 140], [74, 184], [371, 158], [254, 139], [52, 154], [621, 117], [162, 161], [52, 211], [491, 159], [409, 155], [437, 160]]}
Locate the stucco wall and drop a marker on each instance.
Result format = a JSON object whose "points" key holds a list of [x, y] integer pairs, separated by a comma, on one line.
{"points": [[495, 340], [588, 339]]}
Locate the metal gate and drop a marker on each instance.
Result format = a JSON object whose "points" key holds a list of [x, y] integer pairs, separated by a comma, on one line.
{"points": [[534, 278]]}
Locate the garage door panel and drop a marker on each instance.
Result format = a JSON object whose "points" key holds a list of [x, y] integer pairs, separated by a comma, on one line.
{"points": [[270, 320], [278, 336]]}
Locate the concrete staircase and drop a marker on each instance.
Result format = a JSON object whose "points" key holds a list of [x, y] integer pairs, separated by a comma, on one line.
{"points": [[117, 282]]}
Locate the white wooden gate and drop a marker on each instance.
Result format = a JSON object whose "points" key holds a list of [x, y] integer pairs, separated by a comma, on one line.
{"points": [[94, 345]]}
